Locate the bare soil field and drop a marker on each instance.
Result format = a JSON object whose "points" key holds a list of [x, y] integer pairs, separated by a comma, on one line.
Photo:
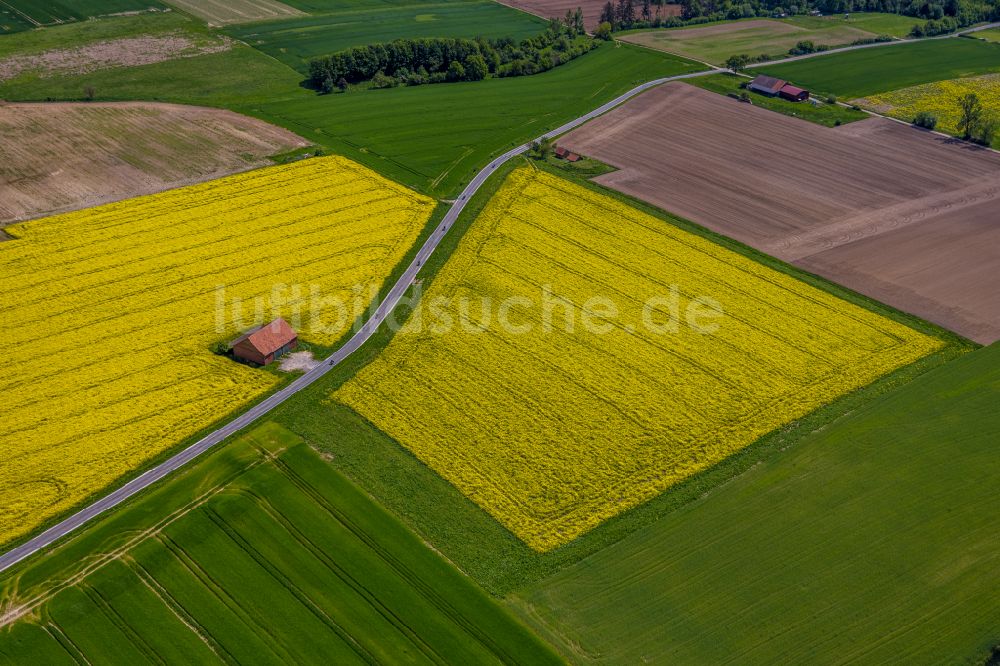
{"points": [[904, 216], [60, 157], [226, 12], [125, 52], [591, 9]]}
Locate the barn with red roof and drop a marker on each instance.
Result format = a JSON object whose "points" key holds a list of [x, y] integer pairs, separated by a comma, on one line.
{"points": [[264, 344]]}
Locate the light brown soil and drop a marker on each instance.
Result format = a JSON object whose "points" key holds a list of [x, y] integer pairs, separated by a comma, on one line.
{"points": [[302, 361], [904, 216], [225, 12], [60, 157], [591, 9], [125, 52]]}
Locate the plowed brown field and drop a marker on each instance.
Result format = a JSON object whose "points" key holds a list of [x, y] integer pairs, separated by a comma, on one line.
{"points": [[60, 157], [904, 216]]}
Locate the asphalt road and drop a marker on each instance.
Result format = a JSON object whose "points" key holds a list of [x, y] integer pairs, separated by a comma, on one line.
{"points": [[392, 299]]}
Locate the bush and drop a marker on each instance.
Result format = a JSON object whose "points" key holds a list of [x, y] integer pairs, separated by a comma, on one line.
{"points": [[380, 80], [603, 31], [985, 131], [831, 99], [804, 47], [926, 120]]}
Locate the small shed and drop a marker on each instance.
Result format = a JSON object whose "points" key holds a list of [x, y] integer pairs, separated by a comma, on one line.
{"points": [[793, 94], [767, 85], [561, 152], [572, 157], [266, 343]]}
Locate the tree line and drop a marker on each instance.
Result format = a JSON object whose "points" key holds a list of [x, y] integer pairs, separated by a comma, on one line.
{"points": [[436, 60], [943, 15]]}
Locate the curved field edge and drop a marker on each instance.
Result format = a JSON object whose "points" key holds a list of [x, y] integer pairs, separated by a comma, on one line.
{"points": [[172, 554], [66, 156], [872, 541], [226, 416], [465, 533]]}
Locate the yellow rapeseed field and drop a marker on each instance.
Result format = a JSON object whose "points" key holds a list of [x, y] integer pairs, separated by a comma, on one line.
{"points": [[940, 98], [554, 431], [109, 315]]}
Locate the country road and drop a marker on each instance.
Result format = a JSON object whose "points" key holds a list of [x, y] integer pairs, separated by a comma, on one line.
{"points": [[392, 299]]}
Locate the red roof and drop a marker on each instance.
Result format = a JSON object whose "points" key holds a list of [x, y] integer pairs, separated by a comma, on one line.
{"points": [[768, 83], [269, 338], [789, 89]]}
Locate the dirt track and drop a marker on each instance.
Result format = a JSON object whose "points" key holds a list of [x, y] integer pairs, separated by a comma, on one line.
{"points": [[907, 217], [60, 157]]}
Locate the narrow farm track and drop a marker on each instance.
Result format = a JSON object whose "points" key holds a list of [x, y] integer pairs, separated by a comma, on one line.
{"points": [[384, 309]]}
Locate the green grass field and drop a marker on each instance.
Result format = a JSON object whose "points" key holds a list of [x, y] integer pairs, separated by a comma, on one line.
{"points": [[872, 541], [829, 115], [17, 15], [991, 35], [261, 553], [717, 41], [296, 41], [876, 23], [432, 137], [249, 76], [868, 71]]}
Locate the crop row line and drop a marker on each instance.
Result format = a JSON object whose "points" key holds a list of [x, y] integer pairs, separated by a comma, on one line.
{"points": [[415, 581]]}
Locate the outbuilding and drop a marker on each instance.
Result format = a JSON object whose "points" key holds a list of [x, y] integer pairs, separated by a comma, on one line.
{"points": [[767, 85], [793, 94], [264, 344]]}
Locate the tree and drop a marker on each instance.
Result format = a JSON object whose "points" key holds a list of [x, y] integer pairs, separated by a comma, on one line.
{"points": [[89, 93], [541, 150], [456, 71], [647, 11], [475, 68], [603, 31], [691, 9], [342, 84], [327, 86], [608, 14], [578, 23], [737, 63], [970, 114], [626, 13]]}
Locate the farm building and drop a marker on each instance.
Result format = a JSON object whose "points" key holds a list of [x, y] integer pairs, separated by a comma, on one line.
{"points": [[568, 155], [793, 94], [772, 87], [265, 343], [766, 85]]}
